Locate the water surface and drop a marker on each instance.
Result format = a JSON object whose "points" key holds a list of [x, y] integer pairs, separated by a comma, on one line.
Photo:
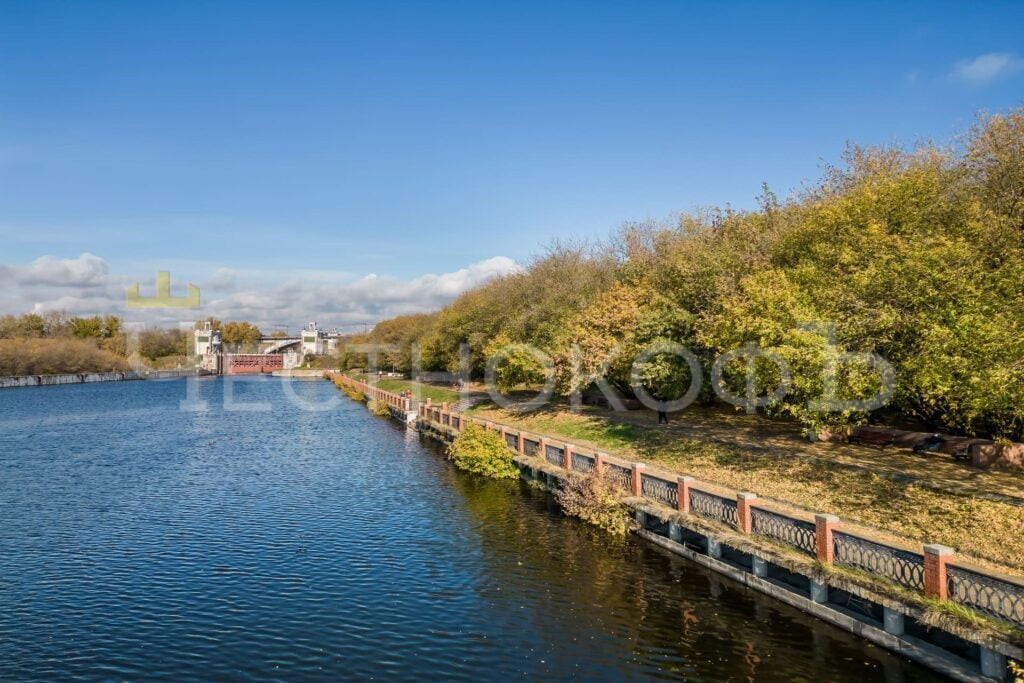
{"points": [[143, 542]]}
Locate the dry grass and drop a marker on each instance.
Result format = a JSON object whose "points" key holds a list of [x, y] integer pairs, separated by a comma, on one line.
{"points": [[981, 528]]}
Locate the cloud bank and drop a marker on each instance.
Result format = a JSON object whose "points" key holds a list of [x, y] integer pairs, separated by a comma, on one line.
{"points": [[984, 69], [86, 286]]}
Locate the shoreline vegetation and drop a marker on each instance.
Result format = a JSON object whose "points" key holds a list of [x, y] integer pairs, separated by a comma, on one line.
{"points": [[55, 343], [914, 255]]}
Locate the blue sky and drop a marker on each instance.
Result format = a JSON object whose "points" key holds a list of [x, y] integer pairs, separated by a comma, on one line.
{"points": [[322, 142]]}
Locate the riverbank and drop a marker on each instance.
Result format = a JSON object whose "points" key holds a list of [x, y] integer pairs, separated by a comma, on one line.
{"points": [[849, 579], [91, 377]]}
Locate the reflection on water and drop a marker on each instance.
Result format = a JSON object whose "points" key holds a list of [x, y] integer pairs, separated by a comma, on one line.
{"points": [[143, 542]]}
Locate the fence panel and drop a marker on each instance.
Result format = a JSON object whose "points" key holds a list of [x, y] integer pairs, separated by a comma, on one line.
{"points": [[583, 463], [794, 532], [713, 507], [901, 566], [554, 455], [619, 475], [995, 597], [659, 489]]}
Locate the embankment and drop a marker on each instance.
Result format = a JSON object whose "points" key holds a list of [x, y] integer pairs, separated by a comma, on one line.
{"points": [[90, 377]]}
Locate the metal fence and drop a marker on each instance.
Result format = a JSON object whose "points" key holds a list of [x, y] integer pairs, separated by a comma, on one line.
{"points": [[583, 463], [713, 507], [531, 447], [793, 532], [901, 566], [659, 489], [988, 594], [512, 441], [617, 474], [554, 455]]}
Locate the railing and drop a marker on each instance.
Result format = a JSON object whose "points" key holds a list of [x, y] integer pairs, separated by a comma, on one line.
{"points": [[583, 463], [713, 507], [991, 595], [658, 489], [793, 532], [554, 454], [901, 566], [619, 475]]}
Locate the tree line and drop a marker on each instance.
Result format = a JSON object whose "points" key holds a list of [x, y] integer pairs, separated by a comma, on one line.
{"points": [[915, 255], [55, 343]]}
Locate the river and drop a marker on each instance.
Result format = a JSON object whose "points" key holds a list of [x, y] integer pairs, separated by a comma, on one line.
{"points": [[243, 542]]}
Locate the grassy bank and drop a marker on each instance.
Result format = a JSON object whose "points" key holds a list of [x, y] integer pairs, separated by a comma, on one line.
{"points": [[434, 393], [985, 529]]}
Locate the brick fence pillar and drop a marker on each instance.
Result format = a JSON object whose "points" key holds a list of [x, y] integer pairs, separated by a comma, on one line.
{"points": [[824, 525], [935, 559], [567, 456], [521, 446], [744, 519], [638, 479], [501, 433], [542, 448], [599, 464], [683, 489]]}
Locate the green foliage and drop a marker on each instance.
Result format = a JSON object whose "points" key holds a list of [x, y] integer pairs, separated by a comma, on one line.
{"points": [[241, 335], [483, 452], [378, 408], [595, 501], [916, 256], [515, 363]]}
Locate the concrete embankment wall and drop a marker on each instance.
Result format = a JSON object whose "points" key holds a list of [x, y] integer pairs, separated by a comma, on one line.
{"points": [[89, 378]]}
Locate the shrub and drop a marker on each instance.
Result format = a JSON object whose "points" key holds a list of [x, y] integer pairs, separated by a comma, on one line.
{"points": [[482, 452], [379, 408], [595, 501], [353, 394]]}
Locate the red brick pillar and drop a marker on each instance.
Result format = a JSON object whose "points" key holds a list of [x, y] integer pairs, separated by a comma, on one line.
{"points": [[684, 484], [501, 433], [599, 464], [638, 479], [935, 559], [744, 519], [567, 456], [521, 446], [542, 449], [824, 525]]}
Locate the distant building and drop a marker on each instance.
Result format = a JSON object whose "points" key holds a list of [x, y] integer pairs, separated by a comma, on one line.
{"points": [[207, 340], [314, 340]]}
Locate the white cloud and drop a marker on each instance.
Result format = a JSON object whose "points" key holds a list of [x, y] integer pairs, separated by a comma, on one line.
{"points": [[986, 68], [85, 286], [85, 271]]}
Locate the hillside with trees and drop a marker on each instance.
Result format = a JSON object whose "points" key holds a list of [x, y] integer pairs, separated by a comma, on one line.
{"points": [[916, 255]]}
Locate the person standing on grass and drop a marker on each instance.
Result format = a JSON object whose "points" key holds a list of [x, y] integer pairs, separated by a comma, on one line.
{"points": [[662, 412]]}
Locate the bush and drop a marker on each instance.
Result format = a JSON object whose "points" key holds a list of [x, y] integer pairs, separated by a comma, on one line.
{"points": [[353, 394], [595, 501], [379, 408], [482, 452]]}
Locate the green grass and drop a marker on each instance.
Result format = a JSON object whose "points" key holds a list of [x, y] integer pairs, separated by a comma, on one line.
{"points": [[435, 394]]}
